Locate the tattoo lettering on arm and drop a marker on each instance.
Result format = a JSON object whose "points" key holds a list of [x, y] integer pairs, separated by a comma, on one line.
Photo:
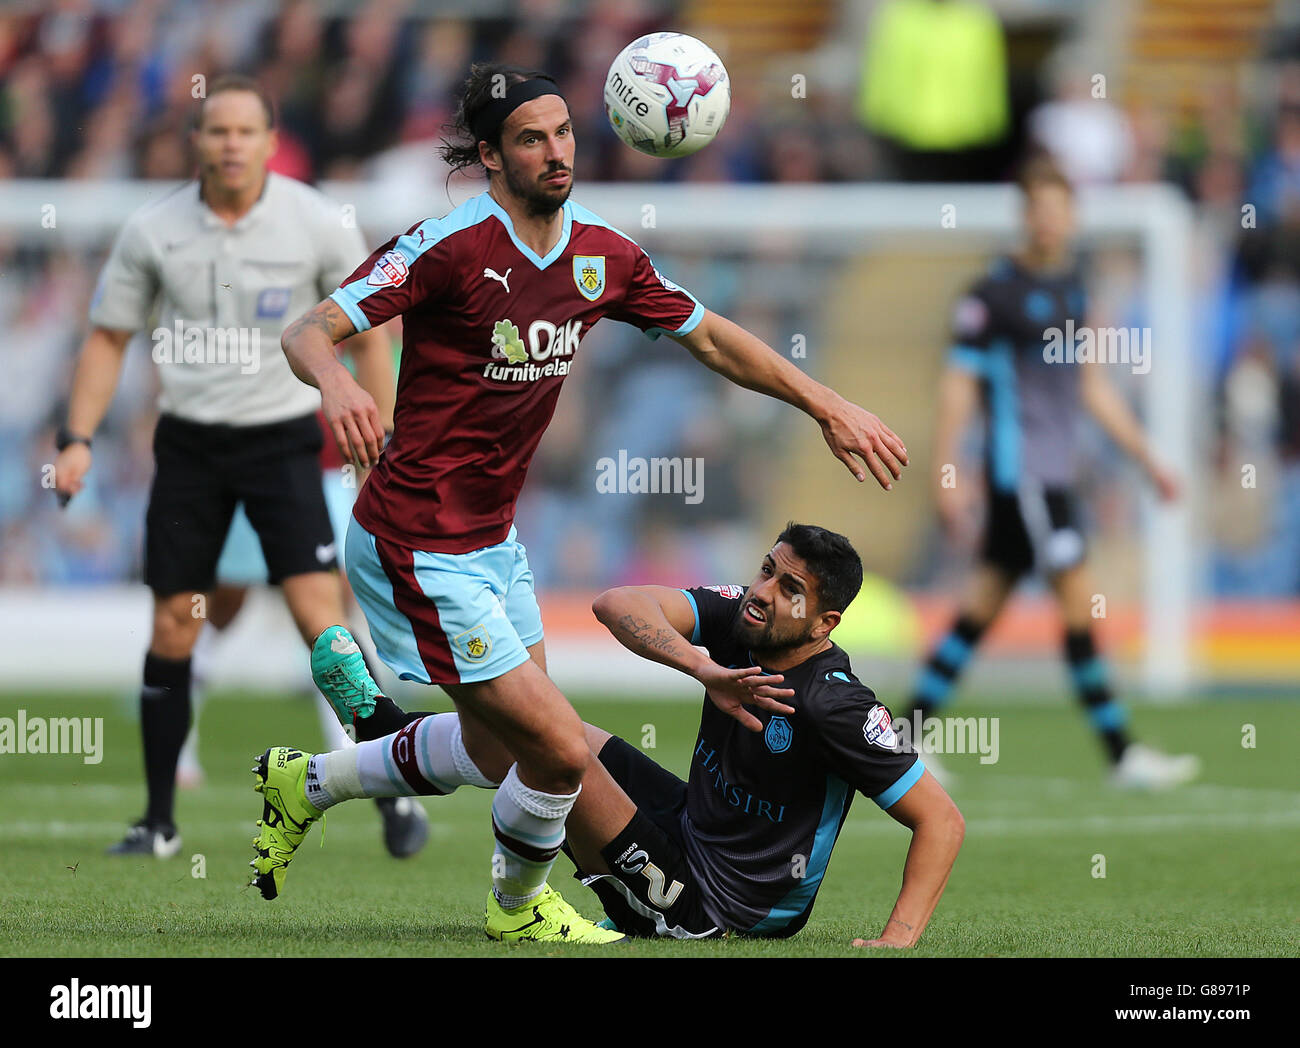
{"points": [[648, 637]]}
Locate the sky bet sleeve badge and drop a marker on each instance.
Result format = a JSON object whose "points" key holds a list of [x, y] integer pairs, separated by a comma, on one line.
{"points": [[589, 275], [390, 270]]}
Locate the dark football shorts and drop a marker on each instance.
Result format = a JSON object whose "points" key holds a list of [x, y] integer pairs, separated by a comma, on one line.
{"points": [[1034, 528], [651, 891], [203, 471]]}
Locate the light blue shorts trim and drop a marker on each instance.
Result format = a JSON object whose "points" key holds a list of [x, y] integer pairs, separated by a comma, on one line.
{"points": [[444, 618]]}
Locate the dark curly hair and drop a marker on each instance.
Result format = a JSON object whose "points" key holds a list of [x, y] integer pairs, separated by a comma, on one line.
{"points": [[486, 82], [831, 559]]}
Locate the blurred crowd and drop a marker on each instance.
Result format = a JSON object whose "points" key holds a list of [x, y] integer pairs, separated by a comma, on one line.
{"points": [[105, 89]]}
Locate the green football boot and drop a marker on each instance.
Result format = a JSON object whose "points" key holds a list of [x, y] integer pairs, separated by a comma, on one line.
{"points": [[548, 918], [286, 815], [340, 673]]}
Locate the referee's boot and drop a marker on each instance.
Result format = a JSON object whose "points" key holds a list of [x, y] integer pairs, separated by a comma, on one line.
{"points": [[157, 839], [406, 825]]}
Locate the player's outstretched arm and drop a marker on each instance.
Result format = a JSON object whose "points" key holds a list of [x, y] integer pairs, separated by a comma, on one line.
{"points": [[656, 623], [937, 833], [93, 383], [350, 412], [1121, 425], [748, 361]]}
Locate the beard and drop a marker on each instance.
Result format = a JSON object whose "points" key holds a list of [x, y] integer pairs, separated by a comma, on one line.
{"points": [[769, 638], [539, 200]]}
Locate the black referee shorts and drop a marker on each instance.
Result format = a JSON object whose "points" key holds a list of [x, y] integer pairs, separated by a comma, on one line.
{"points": [[651, 890], [1033, 528], [203, 471]]}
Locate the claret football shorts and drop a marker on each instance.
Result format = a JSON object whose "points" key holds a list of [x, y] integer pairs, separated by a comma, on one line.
{"points": [[445, 618]]}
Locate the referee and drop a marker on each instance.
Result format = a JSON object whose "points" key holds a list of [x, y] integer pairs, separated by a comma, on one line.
{"points": [[226, 260]]}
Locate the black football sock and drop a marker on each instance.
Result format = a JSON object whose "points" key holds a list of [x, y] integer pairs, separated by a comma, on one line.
{"points": [[387, 719], [1088, 671], [945, 665], [164, 723]]}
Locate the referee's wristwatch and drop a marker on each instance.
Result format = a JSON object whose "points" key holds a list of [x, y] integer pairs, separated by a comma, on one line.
{"points": [[64, 437]]}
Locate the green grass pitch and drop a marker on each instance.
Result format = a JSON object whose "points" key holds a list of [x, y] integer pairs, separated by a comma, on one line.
{"points": [[1208, 870]]}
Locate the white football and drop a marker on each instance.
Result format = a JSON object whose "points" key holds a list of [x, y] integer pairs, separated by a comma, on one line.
{"points": [[667, 94]]}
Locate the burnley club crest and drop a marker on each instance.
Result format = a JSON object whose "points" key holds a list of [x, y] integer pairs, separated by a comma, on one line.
{"points": [[589, 275]]}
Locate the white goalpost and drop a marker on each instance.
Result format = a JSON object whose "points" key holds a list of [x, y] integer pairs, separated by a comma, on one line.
{"points": [[841, 219]]}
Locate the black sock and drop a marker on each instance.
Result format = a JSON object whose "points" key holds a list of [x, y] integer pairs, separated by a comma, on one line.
{"points": [[946, 664], [1088, 671], [164, 723], [387, 719]]}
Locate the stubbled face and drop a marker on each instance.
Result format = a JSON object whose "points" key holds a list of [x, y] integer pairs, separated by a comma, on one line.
{"points": [[536, 155], [778, 611], [234, 143], [1049, 218]]}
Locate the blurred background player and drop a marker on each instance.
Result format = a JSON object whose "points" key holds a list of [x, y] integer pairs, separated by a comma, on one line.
{"points": [[224, 260], [1031, 407]]}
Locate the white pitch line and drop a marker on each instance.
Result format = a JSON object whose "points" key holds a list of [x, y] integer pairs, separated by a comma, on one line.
{"points": [[31, 830], [1194, 789]]}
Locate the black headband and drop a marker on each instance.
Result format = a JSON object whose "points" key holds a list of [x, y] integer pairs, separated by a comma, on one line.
{"points": [[487, 123]]}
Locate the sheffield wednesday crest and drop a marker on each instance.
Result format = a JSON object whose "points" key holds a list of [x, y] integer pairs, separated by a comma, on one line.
{"points": [[778, 735]]}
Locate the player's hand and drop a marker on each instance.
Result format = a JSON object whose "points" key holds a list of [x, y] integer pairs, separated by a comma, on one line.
{"points": [[70, 469], [853, 431], [897, 935], [353, 418], [732, 690], [1168, 488]]}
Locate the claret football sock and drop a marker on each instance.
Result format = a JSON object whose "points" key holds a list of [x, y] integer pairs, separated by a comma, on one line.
{"points": [[427, 757]]}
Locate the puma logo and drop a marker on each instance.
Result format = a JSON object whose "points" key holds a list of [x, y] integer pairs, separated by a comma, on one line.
{"points": [[492, 274]]}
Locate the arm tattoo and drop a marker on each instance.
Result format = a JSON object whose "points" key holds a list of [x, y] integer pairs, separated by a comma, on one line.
{"points": [[648, 637], [327, 318]]}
